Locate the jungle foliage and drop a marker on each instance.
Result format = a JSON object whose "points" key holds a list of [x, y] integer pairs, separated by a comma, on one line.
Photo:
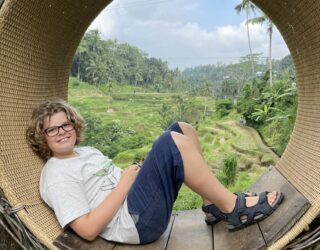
{"points": [[107, 64], [271, 110], [133, 97], [102, 62]]}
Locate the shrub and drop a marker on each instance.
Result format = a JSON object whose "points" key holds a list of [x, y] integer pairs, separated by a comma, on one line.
{"points": [[74, 82], [247, 107], [228, 172], [112, 138], [223, 107], [129, 142], [167, 116], [126, 158]]}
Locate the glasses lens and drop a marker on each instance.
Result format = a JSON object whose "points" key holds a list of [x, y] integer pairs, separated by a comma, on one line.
{"points": [[67, 127], [52, 131]]}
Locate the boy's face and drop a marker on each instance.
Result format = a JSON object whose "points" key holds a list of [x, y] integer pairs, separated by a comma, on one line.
{"points": [[61, 144]]}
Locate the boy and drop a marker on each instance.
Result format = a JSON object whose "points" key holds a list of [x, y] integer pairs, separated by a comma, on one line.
{"points": [[94, 197]]}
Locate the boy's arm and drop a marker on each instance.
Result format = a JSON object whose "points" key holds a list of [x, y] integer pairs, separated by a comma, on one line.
{"points": [[91, 224]]}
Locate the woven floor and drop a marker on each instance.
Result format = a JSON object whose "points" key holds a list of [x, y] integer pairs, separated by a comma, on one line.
{"points": [[37, 42]]}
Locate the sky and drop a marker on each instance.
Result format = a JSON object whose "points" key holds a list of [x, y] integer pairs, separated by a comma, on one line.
{"points": [[186, 33]]}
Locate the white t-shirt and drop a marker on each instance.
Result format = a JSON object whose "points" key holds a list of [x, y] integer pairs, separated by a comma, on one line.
{"points": [[74, 186]]}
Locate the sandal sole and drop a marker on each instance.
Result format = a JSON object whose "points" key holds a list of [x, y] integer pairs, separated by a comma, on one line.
{"points": [[210, 223]]}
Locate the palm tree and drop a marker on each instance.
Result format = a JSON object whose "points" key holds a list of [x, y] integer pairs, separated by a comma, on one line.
{"points": [[94, 40], [97, 71], [81, 49], [261, 20], [247, 6], [93, 72]]}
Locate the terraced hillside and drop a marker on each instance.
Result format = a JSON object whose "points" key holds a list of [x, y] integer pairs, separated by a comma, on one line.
{"points": [[230, 137], [138, 110]]}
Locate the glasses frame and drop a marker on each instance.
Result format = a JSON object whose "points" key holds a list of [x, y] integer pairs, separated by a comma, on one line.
{"points": [[62, 126]]}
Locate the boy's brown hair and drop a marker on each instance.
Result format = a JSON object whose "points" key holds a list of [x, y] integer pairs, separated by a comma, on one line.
{"points": [[35, 132]]}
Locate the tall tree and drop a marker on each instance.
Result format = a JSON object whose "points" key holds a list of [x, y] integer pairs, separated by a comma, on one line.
{"points": [[94, 41], [264, 19], [247, 6], [98, 71], [206, 91], [81, 49]]}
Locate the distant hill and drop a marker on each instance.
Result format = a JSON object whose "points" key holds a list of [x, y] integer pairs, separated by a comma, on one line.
{"points": [[237, 73]]}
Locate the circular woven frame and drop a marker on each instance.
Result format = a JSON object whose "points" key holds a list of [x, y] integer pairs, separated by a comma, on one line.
{"points": [[38, 40]]}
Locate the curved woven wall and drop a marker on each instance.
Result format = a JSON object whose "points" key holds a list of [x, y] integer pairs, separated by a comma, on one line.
{"points": [[37, 42], [299, 23]]}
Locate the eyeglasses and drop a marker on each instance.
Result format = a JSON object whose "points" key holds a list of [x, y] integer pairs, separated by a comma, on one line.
{"points": [[53, 131]]}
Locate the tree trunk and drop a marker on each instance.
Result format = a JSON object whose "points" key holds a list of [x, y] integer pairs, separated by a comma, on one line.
{"points": [[270, 58], [205, 108], [249, 43], [78, 75]]}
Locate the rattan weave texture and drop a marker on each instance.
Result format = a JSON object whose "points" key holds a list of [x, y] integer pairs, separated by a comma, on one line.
{"points": [[298, 22], [37, 42]]}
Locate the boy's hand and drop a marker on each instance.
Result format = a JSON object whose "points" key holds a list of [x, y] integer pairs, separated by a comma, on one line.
{"points": [[129, 175]]}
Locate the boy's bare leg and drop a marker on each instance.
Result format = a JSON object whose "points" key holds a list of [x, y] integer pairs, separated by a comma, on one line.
{"points": [[200, 179], [191, 133]]}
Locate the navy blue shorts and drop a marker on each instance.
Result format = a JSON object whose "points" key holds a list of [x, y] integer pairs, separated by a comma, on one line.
{"points": [[151, 197]]}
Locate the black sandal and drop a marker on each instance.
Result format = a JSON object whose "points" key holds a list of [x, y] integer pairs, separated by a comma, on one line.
{"points": [[243, 216], [215, 214]]}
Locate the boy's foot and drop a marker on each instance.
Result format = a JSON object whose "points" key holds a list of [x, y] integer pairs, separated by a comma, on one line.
{"points": [[253, 200], [250, 210], [214, 215]]}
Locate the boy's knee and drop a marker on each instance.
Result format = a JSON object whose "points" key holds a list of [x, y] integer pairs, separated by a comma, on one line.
{"points": [[181, 140], [186, 127]]}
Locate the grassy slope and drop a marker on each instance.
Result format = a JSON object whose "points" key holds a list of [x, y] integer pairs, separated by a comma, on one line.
{"points": [[138, 110]]}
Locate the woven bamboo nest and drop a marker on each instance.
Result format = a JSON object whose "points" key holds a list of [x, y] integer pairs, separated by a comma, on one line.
{"points": [[37, 42]]}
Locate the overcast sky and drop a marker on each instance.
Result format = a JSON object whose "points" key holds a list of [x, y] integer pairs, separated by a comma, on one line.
{"points": [[186, 33]]}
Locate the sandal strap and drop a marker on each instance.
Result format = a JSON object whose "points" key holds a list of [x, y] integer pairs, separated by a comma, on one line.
{"points": [[238, 211], [262, 207], [265, 207], [241, 202], [211, 209], [215, 212], [246, 193], [205, 208]]}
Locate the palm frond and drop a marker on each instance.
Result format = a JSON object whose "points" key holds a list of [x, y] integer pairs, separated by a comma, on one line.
{"points": [[258, 20]]}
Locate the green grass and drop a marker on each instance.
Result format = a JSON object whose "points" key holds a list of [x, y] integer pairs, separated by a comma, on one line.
{"points": [[245, 180], [187, 199]]}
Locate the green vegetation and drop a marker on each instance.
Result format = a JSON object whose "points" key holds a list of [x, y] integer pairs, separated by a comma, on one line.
{"points": [[271, 110], [224, 107], [132, 119], [125, 128], [227, 174], [128, 99], [108, 63]]}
